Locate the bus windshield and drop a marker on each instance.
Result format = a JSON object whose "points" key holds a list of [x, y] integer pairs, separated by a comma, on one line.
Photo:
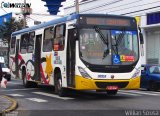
{"points": [[108, 47]]}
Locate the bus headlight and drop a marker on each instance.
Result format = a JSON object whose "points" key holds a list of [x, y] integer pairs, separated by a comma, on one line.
{"points": [[136, 74], [83, 72]]}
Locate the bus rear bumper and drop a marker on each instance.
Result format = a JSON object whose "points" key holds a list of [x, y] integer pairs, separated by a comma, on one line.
{"points": [[91, 84]]}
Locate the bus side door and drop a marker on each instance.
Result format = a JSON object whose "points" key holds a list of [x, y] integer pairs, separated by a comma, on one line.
{"points": [[71, 58], [37, 57], [16, 59]]}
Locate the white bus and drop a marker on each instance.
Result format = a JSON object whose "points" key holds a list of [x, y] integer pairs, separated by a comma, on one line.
{"points": [[80, 51]]}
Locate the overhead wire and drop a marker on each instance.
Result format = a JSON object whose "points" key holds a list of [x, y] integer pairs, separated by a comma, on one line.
{"points": [[102, 5], [140, 10], [127, 7], [134, 6], [4, 10], [121, 5]]}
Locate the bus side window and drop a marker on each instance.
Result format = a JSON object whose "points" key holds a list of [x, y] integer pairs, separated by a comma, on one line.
{"points": [[13, 43], [24, 43], [31, 42], [48, 38], [59, 38]]}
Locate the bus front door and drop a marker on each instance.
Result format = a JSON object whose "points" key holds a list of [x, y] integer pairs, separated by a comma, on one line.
{"points": [[16, 59], [37, 57], [71, 58]]}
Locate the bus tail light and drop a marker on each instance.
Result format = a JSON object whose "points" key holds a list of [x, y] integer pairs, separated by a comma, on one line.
{"points": [[83, 72]]}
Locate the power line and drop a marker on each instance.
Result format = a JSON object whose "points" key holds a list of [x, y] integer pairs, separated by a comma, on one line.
{"points": [[4, 10], [31, 18], [134, 6], [142, 14], [121, 5], [102, 5], [46, 15], [39, 14], [140, 10]]}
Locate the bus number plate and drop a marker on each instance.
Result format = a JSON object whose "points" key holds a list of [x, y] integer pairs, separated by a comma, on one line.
{"points": [[112, 88]]}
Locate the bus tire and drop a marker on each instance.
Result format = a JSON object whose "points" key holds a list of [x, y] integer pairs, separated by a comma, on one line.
{"points": [[112, 92], [27, 84], [58, 85]]}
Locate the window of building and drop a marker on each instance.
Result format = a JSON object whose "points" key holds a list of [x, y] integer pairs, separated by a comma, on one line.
{"points": [[31, 42], [153, 18], [59, 39], [48, 39], [24, 43], [13, 43]]}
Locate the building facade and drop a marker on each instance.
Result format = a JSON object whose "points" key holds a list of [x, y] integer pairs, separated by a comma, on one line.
{"points": [[146, 11]]}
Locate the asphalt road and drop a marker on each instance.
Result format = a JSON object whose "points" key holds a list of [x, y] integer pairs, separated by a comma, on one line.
{"points": [[42, 101]]}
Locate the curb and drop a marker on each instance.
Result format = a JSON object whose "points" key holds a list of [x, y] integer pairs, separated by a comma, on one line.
{"points": [[12, 107]]}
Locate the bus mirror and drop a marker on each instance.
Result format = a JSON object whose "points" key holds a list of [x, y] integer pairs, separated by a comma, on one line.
{"points": [[141, 38], [75, 34]]}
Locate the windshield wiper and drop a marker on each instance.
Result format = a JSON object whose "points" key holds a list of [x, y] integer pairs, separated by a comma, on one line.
{"points": [[118, 40], [104, 40]]}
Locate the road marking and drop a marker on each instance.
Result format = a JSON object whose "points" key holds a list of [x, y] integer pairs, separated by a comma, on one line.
{"points": [[158, 92], [52, 95], [128, 93], [37, 100], [20, 89], [14, 83], [15, 95], [140, 92]]}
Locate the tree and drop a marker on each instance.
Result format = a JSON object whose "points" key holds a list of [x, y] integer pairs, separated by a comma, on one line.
{"points": [[7, 29]]}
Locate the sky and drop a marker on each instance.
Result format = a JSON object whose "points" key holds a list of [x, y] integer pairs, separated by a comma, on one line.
{"points": [[38, 8]]}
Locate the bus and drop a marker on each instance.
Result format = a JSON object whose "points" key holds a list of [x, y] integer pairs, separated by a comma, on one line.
{"points": [[80, 52]]}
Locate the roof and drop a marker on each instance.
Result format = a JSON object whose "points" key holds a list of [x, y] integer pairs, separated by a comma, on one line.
{"points": [[52, 22], [53, 6]]}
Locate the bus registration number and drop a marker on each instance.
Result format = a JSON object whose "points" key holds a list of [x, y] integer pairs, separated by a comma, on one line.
{"points": [[112, 88]]}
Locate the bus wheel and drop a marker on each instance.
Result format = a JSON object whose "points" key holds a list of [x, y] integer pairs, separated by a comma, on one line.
{"points": [[112, 92], [58, 85]]}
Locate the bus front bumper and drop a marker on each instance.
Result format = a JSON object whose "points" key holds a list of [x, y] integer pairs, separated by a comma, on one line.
{"points": [[92, 84]]}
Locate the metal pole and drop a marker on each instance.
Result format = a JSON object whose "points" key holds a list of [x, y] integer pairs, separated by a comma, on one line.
{"points": [[24, 16], [77, 6]]}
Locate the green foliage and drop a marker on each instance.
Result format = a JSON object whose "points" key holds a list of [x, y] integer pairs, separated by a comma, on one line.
{"points": [[8, 28]]}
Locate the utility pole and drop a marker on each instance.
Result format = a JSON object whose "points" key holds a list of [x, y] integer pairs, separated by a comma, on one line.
{"points": [[77, 6], [24, 16]]}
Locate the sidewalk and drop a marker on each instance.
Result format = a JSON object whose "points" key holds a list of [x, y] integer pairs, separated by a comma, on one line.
{"points": [[7, 104]]}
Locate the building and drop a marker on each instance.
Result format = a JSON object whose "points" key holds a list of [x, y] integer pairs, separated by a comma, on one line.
{"points": [[146, 11], [4, 46]]}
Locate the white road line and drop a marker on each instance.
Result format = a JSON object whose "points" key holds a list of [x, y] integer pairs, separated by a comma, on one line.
{"points": [[52, 95], [20, 89], [15, 95], [147, 91], [128, 93], [14, 83], [37, 100], [140, 92]]}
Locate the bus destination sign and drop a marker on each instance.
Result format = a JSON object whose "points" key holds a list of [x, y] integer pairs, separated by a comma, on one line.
{"points": [[107, 21]]}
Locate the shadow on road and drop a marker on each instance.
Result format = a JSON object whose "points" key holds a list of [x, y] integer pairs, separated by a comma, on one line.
{"points": [[85, 95]]}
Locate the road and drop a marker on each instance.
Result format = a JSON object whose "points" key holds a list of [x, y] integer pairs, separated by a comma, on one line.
{"points": [[42, 100]]}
